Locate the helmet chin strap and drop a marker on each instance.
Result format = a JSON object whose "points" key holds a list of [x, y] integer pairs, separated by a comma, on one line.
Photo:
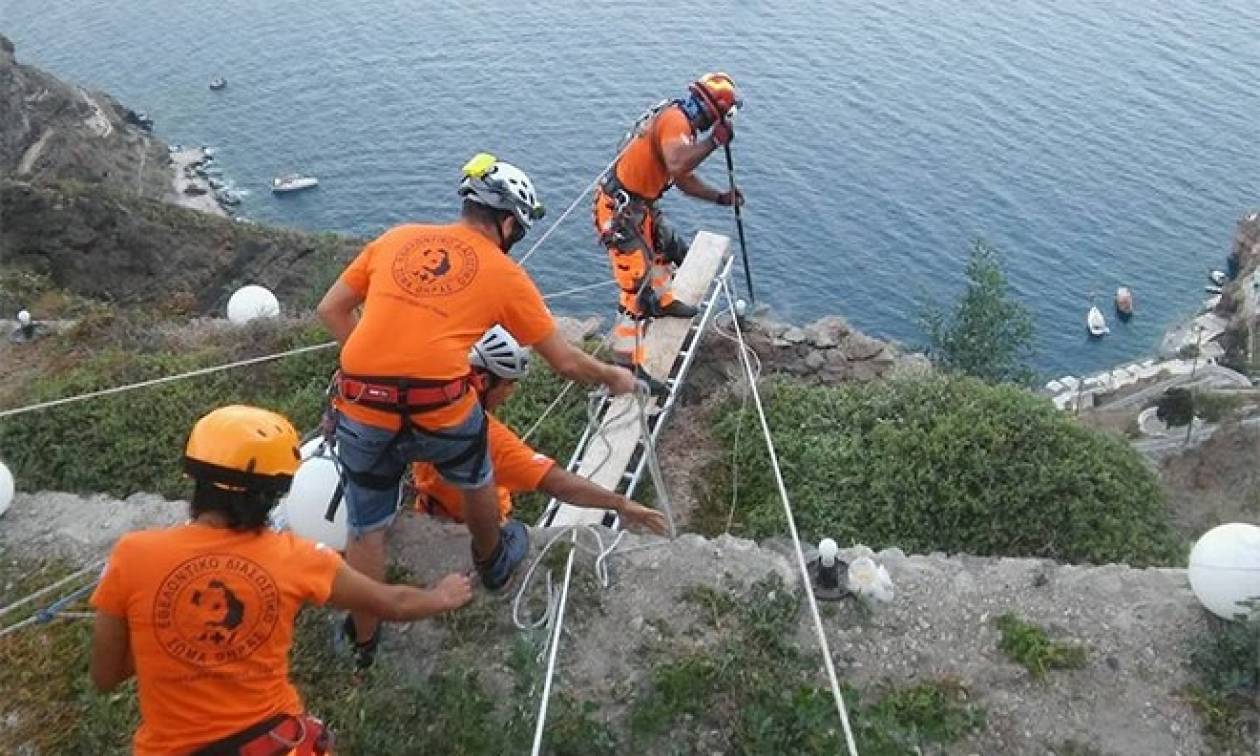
{"points": [[506, 243]]}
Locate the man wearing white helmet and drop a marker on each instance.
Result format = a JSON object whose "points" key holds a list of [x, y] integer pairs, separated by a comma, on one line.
{"points": [[404, 392], [498, 362]]}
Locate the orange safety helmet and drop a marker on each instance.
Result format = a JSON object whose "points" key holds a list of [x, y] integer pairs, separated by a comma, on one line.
{"points": [[241, 448], [717, 92]]}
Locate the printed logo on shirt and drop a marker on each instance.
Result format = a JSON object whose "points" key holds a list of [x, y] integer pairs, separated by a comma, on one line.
{"points": [[215, 609], [434, 266]]}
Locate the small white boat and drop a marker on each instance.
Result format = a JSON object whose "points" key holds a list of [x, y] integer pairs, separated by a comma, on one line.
{"points": [[218, 82], [1218, 277], [293, 182], [1124, 302], [1096, 323]]}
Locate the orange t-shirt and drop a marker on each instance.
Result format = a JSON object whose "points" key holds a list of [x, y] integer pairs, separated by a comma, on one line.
{"points": [[642, 168], [517, 468], [210, 615], [429, 293]]}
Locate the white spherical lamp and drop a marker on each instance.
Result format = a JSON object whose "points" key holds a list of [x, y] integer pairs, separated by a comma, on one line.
{"points": [[6, 489], [251, 302], [315, 487], [1225, 568]]}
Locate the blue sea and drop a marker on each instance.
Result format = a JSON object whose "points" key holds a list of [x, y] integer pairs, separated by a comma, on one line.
{"points": [[1097, 144]]}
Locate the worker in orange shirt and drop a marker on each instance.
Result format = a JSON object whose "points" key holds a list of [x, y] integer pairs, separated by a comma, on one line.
{"points": [[202, 613], [663, 149], [405, 392], [498, 362]]}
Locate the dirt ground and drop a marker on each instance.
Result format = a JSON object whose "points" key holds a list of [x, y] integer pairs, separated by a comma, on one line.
{"points": [[1217, 482], [1134, 624]]}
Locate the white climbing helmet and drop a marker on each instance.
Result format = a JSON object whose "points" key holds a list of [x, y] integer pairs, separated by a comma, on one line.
{"points": [[491, 182], [498, 352]]}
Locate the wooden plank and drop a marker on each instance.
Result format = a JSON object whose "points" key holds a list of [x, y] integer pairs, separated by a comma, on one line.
{"points": [[609, 453]]}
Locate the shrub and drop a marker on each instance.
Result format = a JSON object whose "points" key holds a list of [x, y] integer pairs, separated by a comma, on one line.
{"points": [[987, 334], [134, 441], [1226, 661], [941, 463]]}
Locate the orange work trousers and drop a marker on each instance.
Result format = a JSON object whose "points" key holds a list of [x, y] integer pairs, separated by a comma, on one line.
{"points": [[643, 252]]}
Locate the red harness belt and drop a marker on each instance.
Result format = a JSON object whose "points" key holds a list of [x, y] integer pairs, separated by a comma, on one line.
{"points": [[411, 395], [302, 735]]}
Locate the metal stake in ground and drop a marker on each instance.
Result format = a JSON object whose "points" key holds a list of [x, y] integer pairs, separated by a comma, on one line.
{"points": [[739, 222]]}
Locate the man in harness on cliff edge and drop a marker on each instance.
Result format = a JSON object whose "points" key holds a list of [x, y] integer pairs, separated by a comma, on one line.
{"points": [[663, 149], [405, 391]]}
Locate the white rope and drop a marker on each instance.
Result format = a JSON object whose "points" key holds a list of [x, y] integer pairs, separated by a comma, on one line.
{"points": [[580, 289], [246, 363], [739, 424], [796, 538], [553, 642], [654, 463], [165, 379], [585, 192], [48, 589]]}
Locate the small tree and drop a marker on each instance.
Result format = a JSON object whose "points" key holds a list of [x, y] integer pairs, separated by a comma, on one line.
{"points": [[988, 334]]}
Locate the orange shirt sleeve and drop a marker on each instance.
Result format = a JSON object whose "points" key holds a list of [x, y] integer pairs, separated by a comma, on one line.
{"points": [[316, 565], [673, 126], [517, 467], [523, 312], [359, 272], [111, 594]]}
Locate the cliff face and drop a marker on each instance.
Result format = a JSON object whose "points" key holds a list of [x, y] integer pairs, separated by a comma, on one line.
{"points": [[102, 244], [1239, 298], [83, 193], [51, 130]]}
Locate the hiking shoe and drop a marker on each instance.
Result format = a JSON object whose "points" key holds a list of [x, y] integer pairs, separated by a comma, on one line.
{"points": [[679, 309], [364, 653], [656, 388], [497, 571]]}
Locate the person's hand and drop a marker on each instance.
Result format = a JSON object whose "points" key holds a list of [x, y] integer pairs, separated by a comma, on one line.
{"points": [[638, 517], [619, 381], [453, 591], [728, 198], [722, 134]]}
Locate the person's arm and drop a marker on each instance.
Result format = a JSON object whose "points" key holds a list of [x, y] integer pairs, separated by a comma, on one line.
{"points": [[573, 363], [682, 156], [356, 592], [111, 661], [581, 492], [338, 310], [693, 186]]}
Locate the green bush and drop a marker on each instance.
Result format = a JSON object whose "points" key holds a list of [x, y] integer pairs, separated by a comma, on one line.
{"points": [[134, 441], [941, 463], [1226, 663], [987, 334]]}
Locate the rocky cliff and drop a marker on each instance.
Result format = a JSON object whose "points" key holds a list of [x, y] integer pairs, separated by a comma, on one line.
{"points": [[52, 130]]}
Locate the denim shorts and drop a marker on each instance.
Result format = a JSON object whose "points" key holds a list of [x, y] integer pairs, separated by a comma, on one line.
{"points": [[373, 461]]}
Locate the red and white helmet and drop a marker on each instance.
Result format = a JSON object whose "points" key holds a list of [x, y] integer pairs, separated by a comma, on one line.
{"points": [[718, 94]]}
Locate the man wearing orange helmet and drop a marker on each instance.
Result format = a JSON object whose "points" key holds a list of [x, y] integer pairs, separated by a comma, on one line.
{"points": [[202, 614], [663, 149]]}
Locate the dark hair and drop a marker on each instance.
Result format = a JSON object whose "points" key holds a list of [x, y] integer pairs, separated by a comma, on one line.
{"points": [[244, 510], [475, 211]]}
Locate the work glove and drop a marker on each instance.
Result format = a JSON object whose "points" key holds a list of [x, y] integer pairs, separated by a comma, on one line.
{"points": [[722, 133], [728, 198]]}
